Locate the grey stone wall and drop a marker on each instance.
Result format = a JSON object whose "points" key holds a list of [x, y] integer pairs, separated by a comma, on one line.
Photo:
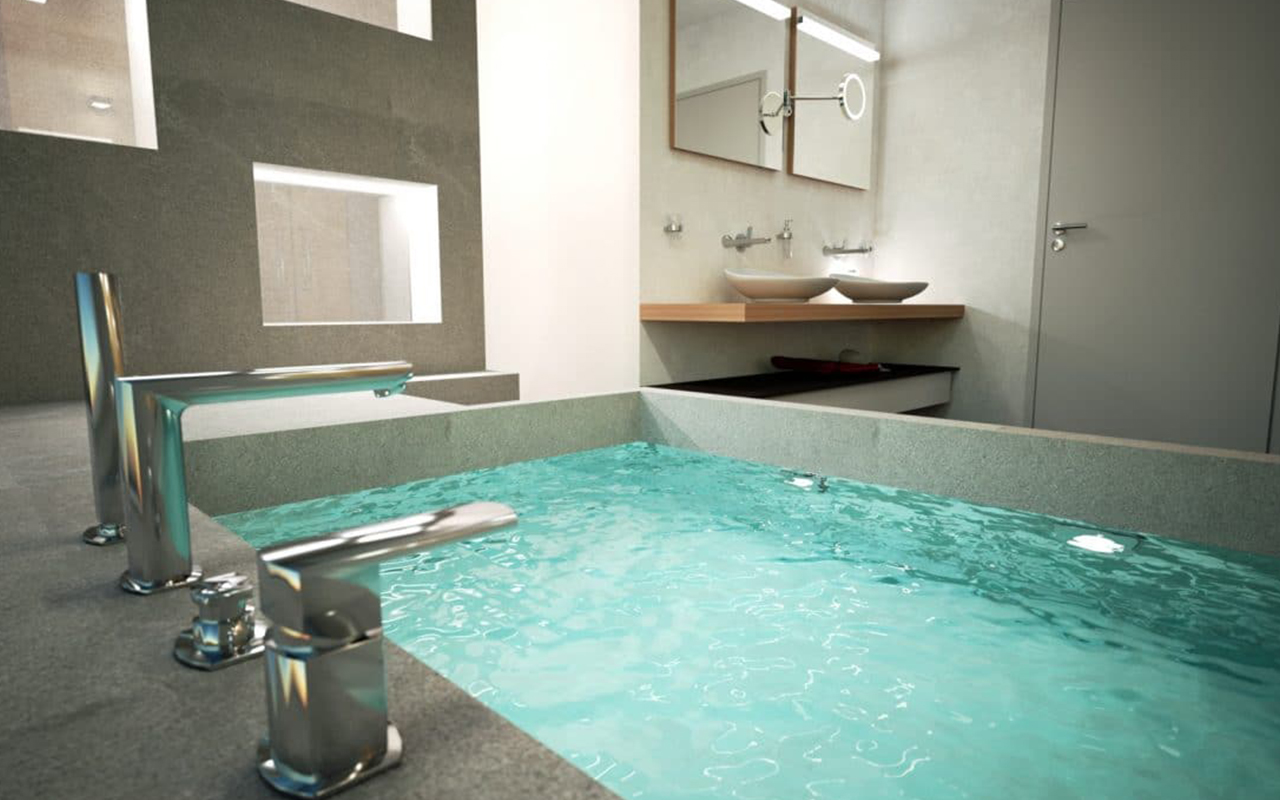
{"points": [[238, 81]]}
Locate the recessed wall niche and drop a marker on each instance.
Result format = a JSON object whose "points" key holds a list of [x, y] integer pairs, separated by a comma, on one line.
{"points": [[336, 249], [77, 69], [407, 16]]}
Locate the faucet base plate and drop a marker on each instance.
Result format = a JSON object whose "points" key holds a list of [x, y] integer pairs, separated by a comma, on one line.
{"points": [[185, 650], [282, 780], [103, 534], [134, 586]]}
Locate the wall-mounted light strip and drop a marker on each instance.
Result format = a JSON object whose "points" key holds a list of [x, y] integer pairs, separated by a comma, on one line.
{"points": [[768, 8], [341, 182], [61, 135], [838, 39]]}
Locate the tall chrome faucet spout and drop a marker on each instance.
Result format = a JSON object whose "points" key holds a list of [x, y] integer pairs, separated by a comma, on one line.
{"points": [[327, 725], [149, 414]]}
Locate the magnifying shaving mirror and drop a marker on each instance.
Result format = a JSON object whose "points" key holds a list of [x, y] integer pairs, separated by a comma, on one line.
{"points": [[831, 139]]}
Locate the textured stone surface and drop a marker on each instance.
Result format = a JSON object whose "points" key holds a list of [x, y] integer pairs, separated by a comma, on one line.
{"points": [[1214, 497], [253, 471], [95, 706], [239, 81]]}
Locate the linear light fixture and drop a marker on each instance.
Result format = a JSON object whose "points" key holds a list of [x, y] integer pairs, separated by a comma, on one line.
{"points": [[61, 135], [768, 7], [336, 181], [100, 103], [37, 2], [838, 39]]}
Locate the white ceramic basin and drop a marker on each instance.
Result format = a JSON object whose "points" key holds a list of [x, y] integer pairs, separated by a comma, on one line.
{"points": [[869, 290], [775, 287]]}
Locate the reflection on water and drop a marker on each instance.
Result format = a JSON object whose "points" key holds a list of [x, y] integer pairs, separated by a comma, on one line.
{"points": [[681, 625]]}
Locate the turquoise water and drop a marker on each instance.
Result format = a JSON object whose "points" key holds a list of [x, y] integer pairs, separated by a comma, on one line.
{"points": [[688, 626]]}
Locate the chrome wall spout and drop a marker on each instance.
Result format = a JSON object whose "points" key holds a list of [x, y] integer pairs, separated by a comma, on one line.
{"points": [[843, 250], [98, 311], [327, 725], [149, 412]]}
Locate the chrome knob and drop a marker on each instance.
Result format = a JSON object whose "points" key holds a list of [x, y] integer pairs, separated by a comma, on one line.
{"points": [[224, 630]]}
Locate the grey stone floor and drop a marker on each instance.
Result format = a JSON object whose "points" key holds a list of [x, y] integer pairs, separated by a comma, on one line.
{"points": [[92, 703]]}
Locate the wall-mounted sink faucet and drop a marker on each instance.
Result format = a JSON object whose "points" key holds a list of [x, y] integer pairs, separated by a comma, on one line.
{"points": [[744, 240], [98, 311], [327, 725], [842, 250], [149, 414]]}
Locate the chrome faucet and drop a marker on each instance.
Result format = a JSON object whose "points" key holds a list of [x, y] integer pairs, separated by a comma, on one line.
{"points": [[98, 311], [149, 411], [327, 725], [843, 249], [744, 240]]}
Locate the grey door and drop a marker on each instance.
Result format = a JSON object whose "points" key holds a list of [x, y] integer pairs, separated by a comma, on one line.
{"points": [[1160, 319]]}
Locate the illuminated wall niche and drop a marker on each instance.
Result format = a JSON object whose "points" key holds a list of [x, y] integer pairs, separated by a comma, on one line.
{"points": [[337, 249]]}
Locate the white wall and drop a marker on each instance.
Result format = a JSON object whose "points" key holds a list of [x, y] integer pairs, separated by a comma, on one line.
{"points": [[963, 110], [560, 171], [715, 197]]}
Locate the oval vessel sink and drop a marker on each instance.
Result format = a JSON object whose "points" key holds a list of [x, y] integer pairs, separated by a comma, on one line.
{"points": [[869, 290], [774, 287]]}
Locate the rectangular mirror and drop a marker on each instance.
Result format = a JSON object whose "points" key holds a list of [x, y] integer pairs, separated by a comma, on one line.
{"points": [[833, 85], [725, 56]]}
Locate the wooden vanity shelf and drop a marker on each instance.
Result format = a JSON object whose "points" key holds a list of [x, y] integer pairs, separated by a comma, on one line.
{"points": [[793, 312]]}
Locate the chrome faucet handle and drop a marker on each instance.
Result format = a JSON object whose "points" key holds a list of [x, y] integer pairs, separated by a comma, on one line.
{"points": [[327, 726], [223, 631]]}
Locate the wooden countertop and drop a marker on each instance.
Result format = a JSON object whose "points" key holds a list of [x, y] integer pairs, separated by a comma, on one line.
{"points": [[794, 312]]}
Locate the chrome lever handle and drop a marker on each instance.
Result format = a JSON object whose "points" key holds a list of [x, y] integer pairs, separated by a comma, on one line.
{"points": [[1060, 228]]}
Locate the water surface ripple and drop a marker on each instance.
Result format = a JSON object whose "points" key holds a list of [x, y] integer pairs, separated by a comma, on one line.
{"points": [[685, 626]]}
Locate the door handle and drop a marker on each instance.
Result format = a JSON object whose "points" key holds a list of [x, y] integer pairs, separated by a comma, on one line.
{"points": [[1060, 229]]}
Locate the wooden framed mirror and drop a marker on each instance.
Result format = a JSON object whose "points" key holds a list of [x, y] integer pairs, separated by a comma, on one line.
{"points": [[726, 56]]}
